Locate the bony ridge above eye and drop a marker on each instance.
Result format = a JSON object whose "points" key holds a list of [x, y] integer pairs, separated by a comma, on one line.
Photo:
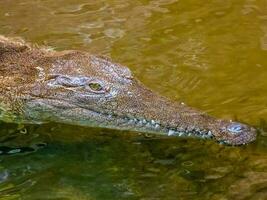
{"points": [[68, 81]]}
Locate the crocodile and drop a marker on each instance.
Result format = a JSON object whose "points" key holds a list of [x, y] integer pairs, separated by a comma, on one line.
{"points": [[41, 85]]}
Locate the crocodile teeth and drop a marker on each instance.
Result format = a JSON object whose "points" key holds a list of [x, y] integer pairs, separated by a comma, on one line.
{"points": [[157, 126], [171, 132], [140, 122], [189, 131], [148, 125], [180, 134], [209, 133], [131, 121]]}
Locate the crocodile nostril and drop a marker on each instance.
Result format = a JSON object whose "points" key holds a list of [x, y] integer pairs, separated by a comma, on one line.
{"points": [[235, 128]]}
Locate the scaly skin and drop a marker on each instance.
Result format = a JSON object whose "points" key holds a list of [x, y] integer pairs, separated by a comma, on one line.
{"points": [[39, 85]]}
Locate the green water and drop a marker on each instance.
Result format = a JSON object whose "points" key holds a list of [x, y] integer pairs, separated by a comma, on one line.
{"points": [[211, 54]]}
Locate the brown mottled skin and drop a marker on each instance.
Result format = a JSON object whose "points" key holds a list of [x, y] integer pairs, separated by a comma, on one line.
{"points": [[38, 85]]}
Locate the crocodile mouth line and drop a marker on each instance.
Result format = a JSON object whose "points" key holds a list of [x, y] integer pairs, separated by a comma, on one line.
{"points": [[148, 125], [133, 123]]}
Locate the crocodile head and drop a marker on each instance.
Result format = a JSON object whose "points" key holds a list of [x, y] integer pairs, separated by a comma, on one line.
{"points": [[78, 88]]}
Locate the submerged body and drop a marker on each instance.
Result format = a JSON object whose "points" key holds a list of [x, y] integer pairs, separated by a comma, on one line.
{"points": [[39, 85]]}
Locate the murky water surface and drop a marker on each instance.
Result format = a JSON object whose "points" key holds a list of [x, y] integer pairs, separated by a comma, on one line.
{"points": [[211, 54]]}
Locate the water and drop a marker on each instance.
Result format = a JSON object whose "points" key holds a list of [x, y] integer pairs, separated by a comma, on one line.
{"points": [[209, 54]]}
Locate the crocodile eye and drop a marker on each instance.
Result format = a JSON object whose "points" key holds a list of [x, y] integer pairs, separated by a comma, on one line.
{"points": [[96, 87]]}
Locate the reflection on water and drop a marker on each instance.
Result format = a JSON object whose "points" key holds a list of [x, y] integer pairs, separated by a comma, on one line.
{"points": [[103, 164], [210, 54]]}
